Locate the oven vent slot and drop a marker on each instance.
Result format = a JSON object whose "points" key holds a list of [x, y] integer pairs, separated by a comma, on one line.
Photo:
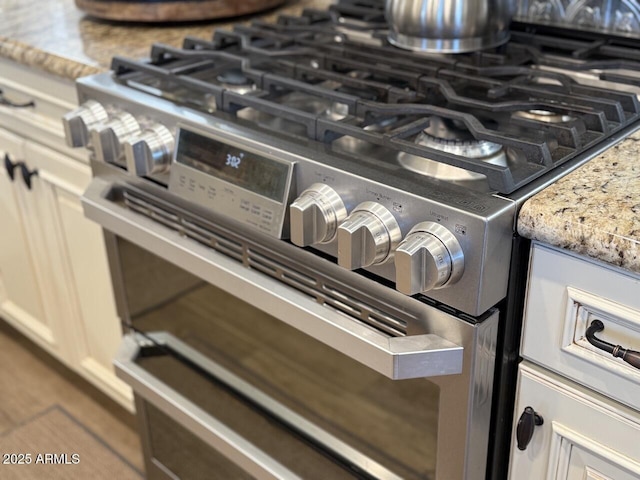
{"points": [[390, 324], [325, 291], [328, 295]]}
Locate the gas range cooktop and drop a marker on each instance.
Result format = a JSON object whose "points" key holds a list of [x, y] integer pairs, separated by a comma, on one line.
{"points": [[314, 130], [491, 121]]}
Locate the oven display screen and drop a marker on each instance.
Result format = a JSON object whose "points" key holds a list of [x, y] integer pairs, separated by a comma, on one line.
{"points": [[245, 169]]}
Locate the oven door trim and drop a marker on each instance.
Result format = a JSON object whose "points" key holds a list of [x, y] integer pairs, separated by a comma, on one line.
{"points": [[214, 432], [414, 356]]}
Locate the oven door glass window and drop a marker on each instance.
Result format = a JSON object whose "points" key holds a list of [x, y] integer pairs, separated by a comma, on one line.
{"points": [[318, 413]]}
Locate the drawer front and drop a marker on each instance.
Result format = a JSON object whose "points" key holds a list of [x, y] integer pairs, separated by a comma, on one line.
{"points": [[566, 294], [584, 435], [34, 105]]}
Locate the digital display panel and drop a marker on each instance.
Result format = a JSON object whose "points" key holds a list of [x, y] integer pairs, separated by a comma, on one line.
{"points": [[235, 165]]}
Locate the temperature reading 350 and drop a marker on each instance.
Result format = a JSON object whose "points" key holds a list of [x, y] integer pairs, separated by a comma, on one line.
{"points": [[234, 160]]}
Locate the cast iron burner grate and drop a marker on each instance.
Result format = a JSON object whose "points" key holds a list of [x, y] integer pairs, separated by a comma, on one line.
{"points": [[523, 96]]}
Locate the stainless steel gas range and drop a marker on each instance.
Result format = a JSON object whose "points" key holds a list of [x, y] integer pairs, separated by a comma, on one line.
{"points": [[312, 237]]}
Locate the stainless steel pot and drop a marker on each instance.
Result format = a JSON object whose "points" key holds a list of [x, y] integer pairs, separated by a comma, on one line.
{"points": [[448, 26]]}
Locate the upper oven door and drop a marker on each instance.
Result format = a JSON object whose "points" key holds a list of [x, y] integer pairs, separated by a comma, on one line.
{"points": [[282, 363]]}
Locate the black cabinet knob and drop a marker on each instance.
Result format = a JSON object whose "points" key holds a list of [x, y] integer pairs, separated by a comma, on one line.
{"points": [[26, 174], [10, 166], [527, 423]]}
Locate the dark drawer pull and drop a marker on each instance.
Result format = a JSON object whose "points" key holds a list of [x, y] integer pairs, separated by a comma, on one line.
{"points": [[632, 357], [527, 423], [26, 174], [10, 166], [6, 102]]}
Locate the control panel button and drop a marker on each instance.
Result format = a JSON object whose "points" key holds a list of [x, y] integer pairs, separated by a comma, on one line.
{"points": [[109, 137], [80, 121], [151, 152], [367, 237], [430, 257], [315, 215]]}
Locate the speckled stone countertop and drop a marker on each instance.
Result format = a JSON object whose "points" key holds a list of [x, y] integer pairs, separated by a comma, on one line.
{"points": [[595, 210], [53, 35]]}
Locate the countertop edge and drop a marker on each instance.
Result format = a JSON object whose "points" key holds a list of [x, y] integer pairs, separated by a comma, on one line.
{"points": [[34, 57], [575, 237]]}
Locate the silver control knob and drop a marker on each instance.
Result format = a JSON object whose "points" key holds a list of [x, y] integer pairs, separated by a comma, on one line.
{"points": [[315, 215], [108, 138], [78, 122], [150, 152], [367, 237], [429, 257]]}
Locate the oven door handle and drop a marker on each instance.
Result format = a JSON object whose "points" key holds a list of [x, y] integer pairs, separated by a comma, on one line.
{"points": [[412, 356], [197, 421]]}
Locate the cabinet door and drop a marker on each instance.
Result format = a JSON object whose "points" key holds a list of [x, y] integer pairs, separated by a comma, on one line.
{"points": [[20, 287], [585, 436], [584, 464], [80, 268]]}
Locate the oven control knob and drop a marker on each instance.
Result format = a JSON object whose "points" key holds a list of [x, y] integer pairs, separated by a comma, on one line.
{"points": [[429, 257], [315, 215], [109, 137], [78, 122], [150, 152], [367, 237]]}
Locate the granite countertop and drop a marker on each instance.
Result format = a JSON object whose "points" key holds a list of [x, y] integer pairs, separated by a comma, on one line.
{"points": [[54, 36], [595, 210]]}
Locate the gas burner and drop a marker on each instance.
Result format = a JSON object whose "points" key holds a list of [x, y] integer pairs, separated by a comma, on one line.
{"points": [[464, 148], [450, 137], [235, 80], [545, 116]]}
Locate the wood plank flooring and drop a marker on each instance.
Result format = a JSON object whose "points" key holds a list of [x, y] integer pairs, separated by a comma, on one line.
{"points": [[31, 382]]}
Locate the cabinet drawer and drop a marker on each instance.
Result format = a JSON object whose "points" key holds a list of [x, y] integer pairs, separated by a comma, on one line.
{"points": [[565, 295], [584, 435], [52, 97]]}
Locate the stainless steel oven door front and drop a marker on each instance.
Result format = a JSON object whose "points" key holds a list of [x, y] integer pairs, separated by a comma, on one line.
{"points": [[261, 360]]}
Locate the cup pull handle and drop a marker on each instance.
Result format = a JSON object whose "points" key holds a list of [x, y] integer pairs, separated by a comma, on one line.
{"points": [[9, 103], [632, 357]]}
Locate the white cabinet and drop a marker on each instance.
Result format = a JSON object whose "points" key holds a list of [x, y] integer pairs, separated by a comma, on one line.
{"points": [[21, 299], [589, 400], [54, 277], [584, 435]]}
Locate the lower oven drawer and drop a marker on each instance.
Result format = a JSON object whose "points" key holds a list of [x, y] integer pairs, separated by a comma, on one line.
{"points": [[178, 453], [191, 406]]}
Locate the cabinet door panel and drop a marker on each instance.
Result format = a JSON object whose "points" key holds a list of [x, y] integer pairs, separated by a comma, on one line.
{"points": [[90, 317], [20, 296], [587, 465], [92, 281], [584, 435]]}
